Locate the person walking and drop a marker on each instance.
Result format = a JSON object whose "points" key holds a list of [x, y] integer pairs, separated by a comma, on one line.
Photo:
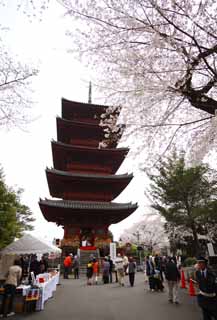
{"points": [[105, 270], [110, 268], [89, 272], [76, 265], [125, 263], [67, 263], [95, 271], [119, 266], [172, 276], [207, 282], [150, 273], [12, 281], [131, 271]]}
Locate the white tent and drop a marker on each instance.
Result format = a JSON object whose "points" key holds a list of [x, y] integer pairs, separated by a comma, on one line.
{"points": [[29, 245]]}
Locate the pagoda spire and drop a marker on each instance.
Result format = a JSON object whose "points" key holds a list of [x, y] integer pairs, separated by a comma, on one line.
{"points": [[90, 93]]}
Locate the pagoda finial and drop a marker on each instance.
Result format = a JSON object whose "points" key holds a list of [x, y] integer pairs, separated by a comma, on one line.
{"points": [[90, 93]]}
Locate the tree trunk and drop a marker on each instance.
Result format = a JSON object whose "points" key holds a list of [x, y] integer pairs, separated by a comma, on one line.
{"points": [[195, 240]]}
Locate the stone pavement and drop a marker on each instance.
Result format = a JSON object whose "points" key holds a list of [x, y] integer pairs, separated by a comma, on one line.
{"points": [[74, 300]]}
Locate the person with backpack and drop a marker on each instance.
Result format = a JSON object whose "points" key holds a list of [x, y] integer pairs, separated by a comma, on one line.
{"points": [[89, 272], [172, 276]]}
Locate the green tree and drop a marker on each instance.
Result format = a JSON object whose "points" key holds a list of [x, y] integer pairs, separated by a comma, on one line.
{"points": [[185, 196], [15, 217]]}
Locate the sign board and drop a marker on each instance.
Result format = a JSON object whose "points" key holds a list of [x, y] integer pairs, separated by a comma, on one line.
{"points": [[210, 249], [113, 250]]}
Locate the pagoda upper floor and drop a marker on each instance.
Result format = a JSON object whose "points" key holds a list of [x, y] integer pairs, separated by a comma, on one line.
{"points": [[79, 133], [86, 187], [82, 112], [83, 159]]}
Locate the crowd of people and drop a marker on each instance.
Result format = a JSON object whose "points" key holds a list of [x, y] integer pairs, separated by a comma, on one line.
{"points": [[160, 272]]}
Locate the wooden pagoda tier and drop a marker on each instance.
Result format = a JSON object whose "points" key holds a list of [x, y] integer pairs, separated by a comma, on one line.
{"points": [[84, 213], [77, 186], [82, 159], [79, 133], [78, 111]]}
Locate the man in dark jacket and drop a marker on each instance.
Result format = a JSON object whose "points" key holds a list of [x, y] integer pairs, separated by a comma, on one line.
{"points": [[207, 282], [150, 273], [172, 275], [110, 268]]}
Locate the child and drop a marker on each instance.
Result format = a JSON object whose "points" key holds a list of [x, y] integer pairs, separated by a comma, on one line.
{"points": [[89, 272]]}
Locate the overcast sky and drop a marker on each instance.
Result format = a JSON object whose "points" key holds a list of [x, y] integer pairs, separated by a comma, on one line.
{"points": [[24, 155]]}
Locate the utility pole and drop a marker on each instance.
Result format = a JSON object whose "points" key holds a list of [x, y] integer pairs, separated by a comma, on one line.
{"points": [[137, 234], [90, 93]]}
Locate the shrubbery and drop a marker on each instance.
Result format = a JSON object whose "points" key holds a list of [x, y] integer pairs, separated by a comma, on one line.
{"points": [[191, 261]]}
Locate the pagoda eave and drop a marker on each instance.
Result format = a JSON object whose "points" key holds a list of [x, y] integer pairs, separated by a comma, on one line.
{"points": [[79, 133], [75, 158], [63, 212], [88, 187], [73, 110]]}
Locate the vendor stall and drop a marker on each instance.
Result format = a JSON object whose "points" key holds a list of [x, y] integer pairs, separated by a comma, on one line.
{"points": [[47, 287], [31, 297]]}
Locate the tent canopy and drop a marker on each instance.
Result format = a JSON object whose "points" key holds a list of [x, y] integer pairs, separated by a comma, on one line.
{"points": [[29, 245]]}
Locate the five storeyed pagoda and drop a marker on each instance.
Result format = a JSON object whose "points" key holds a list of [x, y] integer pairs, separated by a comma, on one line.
{"points": [[84, 178]]}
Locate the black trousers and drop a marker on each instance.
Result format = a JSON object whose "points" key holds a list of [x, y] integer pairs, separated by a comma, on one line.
{"points": [[66, 272], [132, 278], [110, 276], [105, 278], [208, 306], [151, 281], [76, 273], [9, 294]]}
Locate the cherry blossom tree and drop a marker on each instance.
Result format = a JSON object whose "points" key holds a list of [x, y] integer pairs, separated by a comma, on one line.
{"points": [[149, 233], [112, 130], [15, 79], [156, 58]]}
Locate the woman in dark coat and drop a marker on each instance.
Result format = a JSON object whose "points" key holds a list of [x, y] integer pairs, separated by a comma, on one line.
{"points": [[105, 270]]}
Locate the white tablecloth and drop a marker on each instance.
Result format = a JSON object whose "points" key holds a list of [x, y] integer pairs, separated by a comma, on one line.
{"points": [[25, 288], [47, 289]]}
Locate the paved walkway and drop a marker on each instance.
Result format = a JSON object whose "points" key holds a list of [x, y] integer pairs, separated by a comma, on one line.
{"points": [[74, 300]]}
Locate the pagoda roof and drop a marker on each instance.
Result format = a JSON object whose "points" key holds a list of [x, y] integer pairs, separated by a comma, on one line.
{"points": [[86, 186], [72, 158], [79, 133], [73, 110], [84, 212]]}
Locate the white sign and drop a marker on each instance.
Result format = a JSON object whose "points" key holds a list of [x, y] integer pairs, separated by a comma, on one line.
{"points": [[113, 250], [210, 249]]}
